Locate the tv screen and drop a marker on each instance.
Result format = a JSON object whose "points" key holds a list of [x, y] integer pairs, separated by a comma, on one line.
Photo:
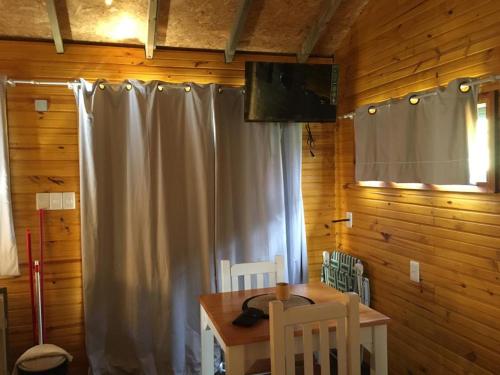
{"points": [[280, 92]]}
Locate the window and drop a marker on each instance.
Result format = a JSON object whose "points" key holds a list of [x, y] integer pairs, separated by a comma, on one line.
{"points": [[481, 158]]}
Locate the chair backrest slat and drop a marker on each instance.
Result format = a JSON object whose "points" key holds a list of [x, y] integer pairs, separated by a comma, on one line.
{"points": [[312, 319], [248, 281], [308, 348], [324, 342], [290, 350], [260, 280], [341, 348], [230, 274]]}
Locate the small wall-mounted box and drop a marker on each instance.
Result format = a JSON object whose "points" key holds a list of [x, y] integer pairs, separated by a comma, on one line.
{"points": [[42, 201], [414, 271], [41, 105], [56, 201], [68, 201]]}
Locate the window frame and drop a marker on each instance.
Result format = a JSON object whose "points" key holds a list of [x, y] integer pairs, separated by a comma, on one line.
{"points": [[492, 185]]}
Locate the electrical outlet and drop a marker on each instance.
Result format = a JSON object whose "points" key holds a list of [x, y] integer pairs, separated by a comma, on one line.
{"points": [[68, 201], [348, 215], [42, 201], [56, 201], [414, 271]]}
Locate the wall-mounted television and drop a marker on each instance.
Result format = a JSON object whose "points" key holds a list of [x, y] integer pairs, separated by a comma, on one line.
{"points": [[281, 92]]}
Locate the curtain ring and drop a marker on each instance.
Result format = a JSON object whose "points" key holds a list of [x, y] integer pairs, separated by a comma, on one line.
{"points": [[101, 86], [187, 88], [128, 86]]}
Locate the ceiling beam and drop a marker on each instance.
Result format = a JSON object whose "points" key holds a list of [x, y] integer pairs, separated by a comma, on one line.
{"points": [[54, 25], [237, 29], [151, 39], [328, 8]]}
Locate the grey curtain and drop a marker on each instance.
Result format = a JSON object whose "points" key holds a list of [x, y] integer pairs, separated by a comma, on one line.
{"points": [[8, 250], [423, 143], [147, 203], [152, 196], [260, 212]]}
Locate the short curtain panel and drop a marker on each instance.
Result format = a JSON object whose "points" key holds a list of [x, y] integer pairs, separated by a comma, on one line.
{"points": [[423, 143], [8, 250]]}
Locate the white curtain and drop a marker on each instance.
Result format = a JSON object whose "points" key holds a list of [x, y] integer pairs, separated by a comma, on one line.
{"points": [[423, 143], [147, 203], [8, 250], [260, 212]]}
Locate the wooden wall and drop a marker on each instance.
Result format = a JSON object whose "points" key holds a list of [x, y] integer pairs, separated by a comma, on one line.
{"points": [[449, 323], [44, 157]]}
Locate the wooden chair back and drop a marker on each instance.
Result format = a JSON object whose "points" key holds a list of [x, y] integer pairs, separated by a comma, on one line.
{"points": [[315, 319], [230, 274]]}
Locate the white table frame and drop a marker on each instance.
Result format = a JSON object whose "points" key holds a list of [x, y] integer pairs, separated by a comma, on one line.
{"points": [[238, 358]]}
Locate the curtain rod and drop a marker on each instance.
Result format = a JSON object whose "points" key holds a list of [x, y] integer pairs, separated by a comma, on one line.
{"points": [[474, 82], [69, 84]]}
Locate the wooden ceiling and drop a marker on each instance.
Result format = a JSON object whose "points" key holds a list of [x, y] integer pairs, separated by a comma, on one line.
{"points": [[271, 26]]}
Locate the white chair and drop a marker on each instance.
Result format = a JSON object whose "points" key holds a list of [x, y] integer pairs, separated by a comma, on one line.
{"points": [[230, 274], [283, 323]]}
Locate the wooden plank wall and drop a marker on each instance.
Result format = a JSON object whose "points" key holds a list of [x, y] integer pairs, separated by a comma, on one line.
{"points": [[44, 157], [449, 324]]}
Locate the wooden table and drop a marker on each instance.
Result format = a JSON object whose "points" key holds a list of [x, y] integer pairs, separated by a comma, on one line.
{"points": [[242, 346]]}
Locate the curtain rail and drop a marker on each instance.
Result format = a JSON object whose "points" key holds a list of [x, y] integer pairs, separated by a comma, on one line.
{"points": [[473, 82], [69, 84]]}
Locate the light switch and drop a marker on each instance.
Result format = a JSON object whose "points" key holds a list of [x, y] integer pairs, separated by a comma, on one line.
{"points": [[42, 201], [414, 271], [68, 201], [348, 215], [56, 201]]}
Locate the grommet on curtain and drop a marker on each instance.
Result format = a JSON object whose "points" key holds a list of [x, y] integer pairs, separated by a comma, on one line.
{"points": [[187, 88], [372, 110], [101, 86], [464, 87], [414, 99], [219, 90], [128, 86], [160, 88]]}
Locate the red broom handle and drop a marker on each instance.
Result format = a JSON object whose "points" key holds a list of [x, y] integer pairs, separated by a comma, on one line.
{"points": [[32, 292], [42, 239]]}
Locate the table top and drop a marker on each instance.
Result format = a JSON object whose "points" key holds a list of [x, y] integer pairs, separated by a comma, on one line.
{"points": [[223, 308]]}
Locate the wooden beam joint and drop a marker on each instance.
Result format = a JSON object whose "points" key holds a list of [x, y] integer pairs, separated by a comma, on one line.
{"points": [[328, 8], [237, 30], [150, 45], [54, 25]]}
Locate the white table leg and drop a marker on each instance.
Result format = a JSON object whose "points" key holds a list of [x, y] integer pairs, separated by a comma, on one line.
{"points": [[235, 360], [378, 356], [207, 345]]}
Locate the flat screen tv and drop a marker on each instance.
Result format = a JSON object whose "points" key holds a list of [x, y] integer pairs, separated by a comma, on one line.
{"points": [[279, 92]]}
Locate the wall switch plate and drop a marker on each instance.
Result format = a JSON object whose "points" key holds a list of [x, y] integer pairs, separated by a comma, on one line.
{"points": [[68, 201], [348, 215], [414, 271], [42, 201], [41, 105], [56, 201]]}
